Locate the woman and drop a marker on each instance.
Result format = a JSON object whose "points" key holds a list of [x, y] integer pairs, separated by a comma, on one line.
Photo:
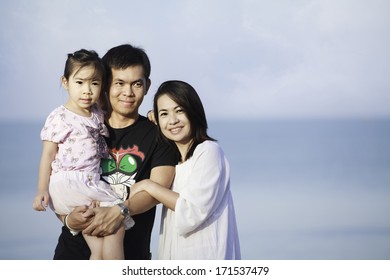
{"points": [[198, 219]]}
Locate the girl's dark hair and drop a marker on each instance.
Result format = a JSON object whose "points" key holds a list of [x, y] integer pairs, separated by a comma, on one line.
{"points": [[82, 58], [188, 99]]}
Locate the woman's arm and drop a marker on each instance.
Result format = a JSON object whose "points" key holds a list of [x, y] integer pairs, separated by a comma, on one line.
{"points": [[158, 192], [205, 185], [161, 176]]}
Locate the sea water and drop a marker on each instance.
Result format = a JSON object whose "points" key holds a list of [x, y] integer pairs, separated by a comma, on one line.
{"points": [[303, 189]]}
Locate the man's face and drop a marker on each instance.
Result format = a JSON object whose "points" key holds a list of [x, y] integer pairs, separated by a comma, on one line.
{"points": [[127, 90]]}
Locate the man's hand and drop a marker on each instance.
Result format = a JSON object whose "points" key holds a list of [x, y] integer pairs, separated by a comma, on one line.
{"points": [[105, 222], [79, 219]]}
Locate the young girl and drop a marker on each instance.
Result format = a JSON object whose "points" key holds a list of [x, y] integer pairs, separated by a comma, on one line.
{"points": [[198, 219], [73, 144]]}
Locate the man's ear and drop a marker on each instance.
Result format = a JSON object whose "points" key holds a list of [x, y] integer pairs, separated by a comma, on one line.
{"points": [[148, 83], [64, 82]]}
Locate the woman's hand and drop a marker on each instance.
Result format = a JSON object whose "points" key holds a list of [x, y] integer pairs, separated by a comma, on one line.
{"points": [[150, 116]]}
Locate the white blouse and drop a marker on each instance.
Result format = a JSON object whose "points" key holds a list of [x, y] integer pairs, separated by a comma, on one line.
{"points": [[203, 225]]}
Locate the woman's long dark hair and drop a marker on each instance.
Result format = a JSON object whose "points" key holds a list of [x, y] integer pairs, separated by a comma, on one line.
{"points": [[188, 99]]}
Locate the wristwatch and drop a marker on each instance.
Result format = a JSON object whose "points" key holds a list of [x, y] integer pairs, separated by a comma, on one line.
{"points": [[128, 220], [124, 210]]}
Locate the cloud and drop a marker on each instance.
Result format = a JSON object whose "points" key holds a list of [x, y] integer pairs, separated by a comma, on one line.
{"points": [[247, 59], [317, 61]]}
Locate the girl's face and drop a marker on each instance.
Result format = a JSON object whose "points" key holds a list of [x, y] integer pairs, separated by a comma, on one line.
{"points": [[84, 88], [173, 121]]}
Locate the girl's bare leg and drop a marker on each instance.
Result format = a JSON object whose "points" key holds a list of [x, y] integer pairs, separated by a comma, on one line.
{"points": [[95, 244], [113, 245]]}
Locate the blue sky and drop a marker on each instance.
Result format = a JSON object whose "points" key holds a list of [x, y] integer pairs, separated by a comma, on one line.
{"points": [[247, 59]]}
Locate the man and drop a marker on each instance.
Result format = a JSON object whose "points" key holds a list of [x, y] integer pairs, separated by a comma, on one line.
{"points": [[136, 155]]}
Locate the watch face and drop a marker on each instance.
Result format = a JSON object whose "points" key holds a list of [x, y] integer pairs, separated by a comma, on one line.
{"points": [[125, 211]]}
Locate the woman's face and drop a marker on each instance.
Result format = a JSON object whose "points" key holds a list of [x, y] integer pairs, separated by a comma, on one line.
{"points": [[173, 121]]}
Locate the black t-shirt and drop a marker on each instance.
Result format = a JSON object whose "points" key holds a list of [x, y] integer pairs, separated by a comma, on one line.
{"points": [[135, 151]]}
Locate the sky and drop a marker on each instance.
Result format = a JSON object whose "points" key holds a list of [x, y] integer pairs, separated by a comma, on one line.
{"points": [[247, 59]]}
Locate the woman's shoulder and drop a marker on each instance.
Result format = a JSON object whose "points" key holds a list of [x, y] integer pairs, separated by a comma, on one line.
{"points": [[208, 146], [210, 153]]}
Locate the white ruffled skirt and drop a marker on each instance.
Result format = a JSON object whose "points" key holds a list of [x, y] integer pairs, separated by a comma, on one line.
{"points": [[69, 189]]}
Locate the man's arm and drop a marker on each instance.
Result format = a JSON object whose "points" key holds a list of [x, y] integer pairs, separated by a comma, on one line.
{"points": [[108, 219]]}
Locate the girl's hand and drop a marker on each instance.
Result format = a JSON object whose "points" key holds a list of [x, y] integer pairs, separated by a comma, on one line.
{"points": [[41, 201]]}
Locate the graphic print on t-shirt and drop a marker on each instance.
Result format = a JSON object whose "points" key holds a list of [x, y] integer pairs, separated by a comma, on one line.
{"points": [[120, 170]]}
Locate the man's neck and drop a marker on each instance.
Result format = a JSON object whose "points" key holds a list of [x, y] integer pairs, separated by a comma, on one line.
{"points": [[120, 121]]}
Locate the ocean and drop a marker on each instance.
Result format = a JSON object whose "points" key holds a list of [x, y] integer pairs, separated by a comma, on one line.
{"points": [[303, 189]]}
